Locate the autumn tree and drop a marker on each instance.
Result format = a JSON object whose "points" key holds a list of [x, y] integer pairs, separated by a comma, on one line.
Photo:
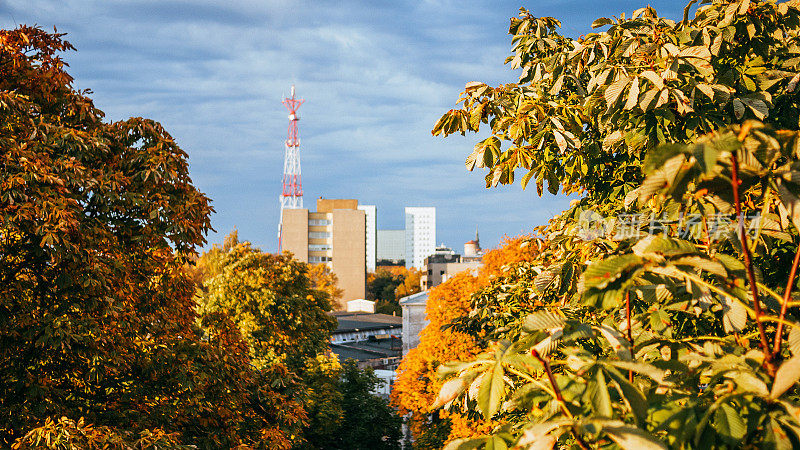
{"points": [[323, 279], [97, 319], [271, 299], [389, 284], [645, 321], [417, 383], [280, 307], [411, 284]]}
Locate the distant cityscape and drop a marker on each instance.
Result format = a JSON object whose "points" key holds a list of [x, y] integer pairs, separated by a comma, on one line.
{"points": [[343, 235]]}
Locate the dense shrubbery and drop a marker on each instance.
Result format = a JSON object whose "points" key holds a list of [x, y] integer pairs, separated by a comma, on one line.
{"points": [[659, 310]]}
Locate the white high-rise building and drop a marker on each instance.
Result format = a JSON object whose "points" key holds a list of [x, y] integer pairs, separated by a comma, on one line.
{"points": [[371, 212], [420, 235]]}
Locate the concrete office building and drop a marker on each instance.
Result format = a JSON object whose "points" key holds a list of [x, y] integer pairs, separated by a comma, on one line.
{"points": [[371, 239], [391, 245], [445, 263], [420, 235], [334, 235]]}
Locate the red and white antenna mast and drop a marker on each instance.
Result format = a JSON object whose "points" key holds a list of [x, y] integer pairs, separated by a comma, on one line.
{"points": [[292, 194]]}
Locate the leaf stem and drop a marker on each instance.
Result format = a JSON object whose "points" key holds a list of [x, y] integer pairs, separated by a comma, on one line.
{"points": [[776, 349], [581, 443]]}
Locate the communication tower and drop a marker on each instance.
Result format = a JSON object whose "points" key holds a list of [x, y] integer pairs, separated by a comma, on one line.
{"points": [[292, 194]]}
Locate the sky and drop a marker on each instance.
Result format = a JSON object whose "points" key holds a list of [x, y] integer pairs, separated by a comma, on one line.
{"points": [[375, 76]]}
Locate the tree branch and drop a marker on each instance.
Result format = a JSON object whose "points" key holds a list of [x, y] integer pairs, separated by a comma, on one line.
{"points": [[784, 305]]}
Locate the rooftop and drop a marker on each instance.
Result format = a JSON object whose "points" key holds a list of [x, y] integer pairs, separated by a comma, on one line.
{"points": [[358, 321], [420, 298], [369, 349]]}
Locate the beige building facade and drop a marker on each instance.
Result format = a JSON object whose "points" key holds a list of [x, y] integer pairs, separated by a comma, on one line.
{"points": [[335, 235]]}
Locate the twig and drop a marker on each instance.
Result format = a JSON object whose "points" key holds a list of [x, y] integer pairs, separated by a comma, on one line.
{"points": [[776, 349], [735, 182], [630, 332], [581, 443]]}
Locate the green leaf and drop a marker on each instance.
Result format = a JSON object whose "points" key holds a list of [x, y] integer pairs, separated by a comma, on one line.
{"points": [[601, 400], [544, 279], [542, 320], [648, 370], [663, 245], [601, 22], [734, 316], [632, 438], [633, 95], [731, 264], [654, 78], [599, 274], [618, 343], [539, 436], [660, 321], [527, 178], [496, 443], [777, 436], [662, 178], [465, 443], [747, 381], [491, 391], [786, 376], [701, 263], [794, 340], [614, 90], [632, 395], [729, 423], [791, 203], [450, 390]]}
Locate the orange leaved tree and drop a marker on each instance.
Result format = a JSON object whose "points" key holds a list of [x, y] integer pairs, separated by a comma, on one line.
{"points": [[97, 318], [418, 385]]}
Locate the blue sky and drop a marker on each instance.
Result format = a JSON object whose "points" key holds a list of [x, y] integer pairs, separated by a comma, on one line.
{"points": [[376, 75]]}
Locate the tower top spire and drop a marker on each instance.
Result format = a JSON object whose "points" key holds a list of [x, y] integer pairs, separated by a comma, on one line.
{"points": [[477, 238]]}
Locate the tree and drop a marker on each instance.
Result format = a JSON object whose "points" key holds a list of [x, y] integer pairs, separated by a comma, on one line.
{"points": [[323, 279], [388, 285], [410, 285], [658, 332], [98, 329], [370, 422], [270, 297], [280, 306]]}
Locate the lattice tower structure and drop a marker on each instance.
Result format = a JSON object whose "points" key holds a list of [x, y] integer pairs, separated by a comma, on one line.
{"points": [[292, 192]]}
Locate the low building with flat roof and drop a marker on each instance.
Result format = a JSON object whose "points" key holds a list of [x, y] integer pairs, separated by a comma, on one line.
{"points": [[373, 340]]}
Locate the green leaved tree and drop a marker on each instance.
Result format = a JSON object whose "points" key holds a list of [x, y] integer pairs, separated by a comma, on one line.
{"points": [[660, 311]]}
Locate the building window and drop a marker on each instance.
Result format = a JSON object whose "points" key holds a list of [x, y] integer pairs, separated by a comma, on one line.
{"points": [[441, 272], [318, 222], [319, 234], [319, 259], [319, 247]]}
